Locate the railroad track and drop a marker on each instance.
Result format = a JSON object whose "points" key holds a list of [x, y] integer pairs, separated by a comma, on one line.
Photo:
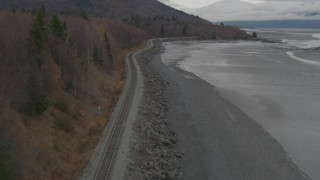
{"points": [[105, 167]]}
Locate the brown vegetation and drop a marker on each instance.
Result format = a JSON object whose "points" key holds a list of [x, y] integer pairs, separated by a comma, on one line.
{"points": [[56, 143]]}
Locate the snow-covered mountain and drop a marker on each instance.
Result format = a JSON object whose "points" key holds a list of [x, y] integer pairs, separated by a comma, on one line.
{"points": [[172, 4], [235, 10]]}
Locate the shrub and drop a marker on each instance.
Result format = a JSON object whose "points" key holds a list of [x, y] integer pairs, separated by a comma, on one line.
{"points": [[41, 104], [68, 87], [63, 123], [62, 105], [36, 106], [36, 62], [4, 170]]}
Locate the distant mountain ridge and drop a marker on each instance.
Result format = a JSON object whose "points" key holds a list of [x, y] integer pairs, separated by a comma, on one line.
{"points": [[237, 10], [275, 24], [105, 8]]}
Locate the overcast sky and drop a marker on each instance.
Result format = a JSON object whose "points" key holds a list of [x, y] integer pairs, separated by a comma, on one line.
{"points": [[201, 3]]}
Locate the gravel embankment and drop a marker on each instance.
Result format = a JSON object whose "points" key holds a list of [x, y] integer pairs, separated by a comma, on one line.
{"points": [[153, 151]]}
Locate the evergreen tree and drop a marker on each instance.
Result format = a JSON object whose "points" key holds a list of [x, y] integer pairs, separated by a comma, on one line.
{"points": [[254, 35], [84, 15], [58, 28], [213, 36], [135, 20], [184, 28], [65, 30], [148, 21], [96, 55], [108, 46], [38, 30], [162, 33], [14, 8], [42, 12]]}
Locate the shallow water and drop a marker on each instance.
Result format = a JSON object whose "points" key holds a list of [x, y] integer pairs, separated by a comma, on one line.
{"points": [[278, 85]]}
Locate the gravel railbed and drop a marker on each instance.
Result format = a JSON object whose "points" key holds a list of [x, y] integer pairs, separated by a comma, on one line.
{"points": [[153, 152]]}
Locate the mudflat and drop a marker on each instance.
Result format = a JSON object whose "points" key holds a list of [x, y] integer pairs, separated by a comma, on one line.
{"points": [[218, 140]]}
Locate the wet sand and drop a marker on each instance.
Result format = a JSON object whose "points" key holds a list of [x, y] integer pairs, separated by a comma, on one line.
{"points": [[219, 141], [272, 83]]}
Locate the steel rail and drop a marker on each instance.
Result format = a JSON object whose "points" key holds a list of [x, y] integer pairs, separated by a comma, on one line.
{"points": [[105, 167]]}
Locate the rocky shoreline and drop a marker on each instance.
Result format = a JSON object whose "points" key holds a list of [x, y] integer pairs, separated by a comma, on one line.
{"points": [[153, 152]]}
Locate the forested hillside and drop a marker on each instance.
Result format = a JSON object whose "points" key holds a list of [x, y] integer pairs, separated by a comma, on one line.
{"points": [[59, 78], [62, 69], [152, 16]]}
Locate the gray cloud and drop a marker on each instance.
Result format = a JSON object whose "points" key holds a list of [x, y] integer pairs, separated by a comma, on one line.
{"points": [[291, 1]]}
